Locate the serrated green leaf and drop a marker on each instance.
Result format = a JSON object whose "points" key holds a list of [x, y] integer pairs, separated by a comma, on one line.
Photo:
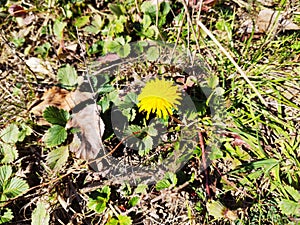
{"points": [[152, 53], [67, 76], [112, 46], [10, 133], [25, 131], [98, 203], [40, 215], [124, 50], [150, 32], [118, 26], [55, 135], [162, 184], [112, 221], [96, 25], [91, 29], [289, 207], [172, 177], [82, 21], [152, 131], [5, 174], [105, 88], [6, 216], [148, 142], [129, 101], [134, 201], [124, 220], [57, 158], [9, 153], [148, 8], [58, 29], [56, 116], [15, 187]]}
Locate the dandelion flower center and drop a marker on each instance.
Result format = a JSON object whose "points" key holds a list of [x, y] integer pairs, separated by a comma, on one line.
{"points": [[159, 97]]}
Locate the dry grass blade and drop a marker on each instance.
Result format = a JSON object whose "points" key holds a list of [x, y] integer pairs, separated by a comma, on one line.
{"points": [[243, 74]]}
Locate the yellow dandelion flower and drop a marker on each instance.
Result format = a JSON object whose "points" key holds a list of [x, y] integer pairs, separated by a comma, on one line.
{"points": [[159, 96]]}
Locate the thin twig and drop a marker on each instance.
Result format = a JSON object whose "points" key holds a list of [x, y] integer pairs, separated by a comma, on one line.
{"points": [[201, 143]]}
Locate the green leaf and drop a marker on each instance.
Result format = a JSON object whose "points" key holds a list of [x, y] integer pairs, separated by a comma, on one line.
{"points": [[56, 116], [141, 188], [6, 216], [98, 202], [124, 51], [112, 46], [15, 187], [169, 179], [96, 25], [10, 134], [82, 21], [293, 192], [213, 81], [67, 76], [129, 101], [55, 135], [216, 209], [9, 153], [148, 142], [152, 53], [25, 131], [5, 174], [152, 131], [124, 220], [146, 22], [166, 8], [43, 50], [40, 215], [105, 88], [162, 184], [148, 8], [134, 201], [289, 207], [172, 177], [58, 28], [57, 158], [150, 32], [112, 221]]}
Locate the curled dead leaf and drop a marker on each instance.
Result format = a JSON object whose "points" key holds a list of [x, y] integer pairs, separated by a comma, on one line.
{"points": [[87, 142]]}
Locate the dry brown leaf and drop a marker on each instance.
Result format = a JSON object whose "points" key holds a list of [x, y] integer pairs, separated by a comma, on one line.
{"points": [[39, 66], [87, 142], [268, 21], [55, 96]]}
